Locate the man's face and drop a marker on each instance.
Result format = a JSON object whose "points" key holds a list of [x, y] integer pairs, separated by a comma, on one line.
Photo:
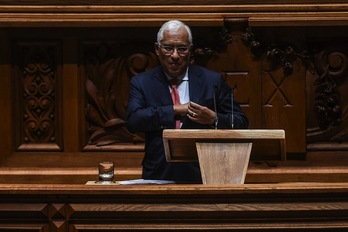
{"points": [[174, 52]]}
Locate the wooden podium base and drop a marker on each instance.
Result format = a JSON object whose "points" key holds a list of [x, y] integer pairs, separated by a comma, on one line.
{"points": [[223, 163], [224, 155]]}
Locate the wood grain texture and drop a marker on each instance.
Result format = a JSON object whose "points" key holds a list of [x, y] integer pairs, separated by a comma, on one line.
{"points": [[223, 163], [67, 208], [153, 12], [180, 145]]}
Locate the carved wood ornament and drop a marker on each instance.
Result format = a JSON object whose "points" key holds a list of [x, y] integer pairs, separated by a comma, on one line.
{"points": [[108, 69], [38, 82], [328, 66]]}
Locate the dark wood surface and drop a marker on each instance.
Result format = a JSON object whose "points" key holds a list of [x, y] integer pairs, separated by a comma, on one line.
{"points": [[154, 12], [269, 207]]}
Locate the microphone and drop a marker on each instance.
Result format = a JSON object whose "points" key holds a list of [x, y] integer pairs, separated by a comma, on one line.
{"points": [[215, 110], [232, 107]]}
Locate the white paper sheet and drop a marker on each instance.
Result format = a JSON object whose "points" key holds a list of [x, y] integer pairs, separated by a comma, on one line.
{"points": [[142, 181]]}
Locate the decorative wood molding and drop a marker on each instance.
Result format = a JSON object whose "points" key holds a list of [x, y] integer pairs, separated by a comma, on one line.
{"points": [[109, 13], [329, 91], [269, 207], [37, 81], [328, 64]]}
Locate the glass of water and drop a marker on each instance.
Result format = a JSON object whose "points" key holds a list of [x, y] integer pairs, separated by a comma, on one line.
{"points": [[106, 172]]}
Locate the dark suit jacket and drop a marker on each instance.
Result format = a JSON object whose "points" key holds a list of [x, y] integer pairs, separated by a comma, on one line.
{"points": [[150, 110]]}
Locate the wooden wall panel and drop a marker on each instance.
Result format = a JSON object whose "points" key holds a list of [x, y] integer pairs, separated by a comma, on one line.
{"points": [[283, 105], [327, 91], [37, 95], [6, 94], [242, 72], [92, 70]]}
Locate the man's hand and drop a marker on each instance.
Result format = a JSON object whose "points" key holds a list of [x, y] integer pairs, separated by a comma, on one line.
{"points": [[180, 109], [200, 114]]}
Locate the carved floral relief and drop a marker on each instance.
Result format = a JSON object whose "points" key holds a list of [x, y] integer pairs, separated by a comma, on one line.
{"points": [[329, 90], [108, 70]]}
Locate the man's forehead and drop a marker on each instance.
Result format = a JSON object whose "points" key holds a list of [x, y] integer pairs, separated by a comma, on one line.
{"points": [[177, 35]]}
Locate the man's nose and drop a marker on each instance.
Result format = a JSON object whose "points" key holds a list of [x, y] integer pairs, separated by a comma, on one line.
{"points": [[175, 53]]}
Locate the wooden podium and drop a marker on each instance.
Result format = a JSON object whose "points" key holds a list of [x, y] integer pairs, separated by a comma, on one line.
{"points": [[224, 155]]}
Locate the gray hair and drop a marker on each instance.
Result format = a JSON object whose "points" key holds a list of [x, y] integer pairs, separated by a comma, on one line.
{"points": [[173, 25]]}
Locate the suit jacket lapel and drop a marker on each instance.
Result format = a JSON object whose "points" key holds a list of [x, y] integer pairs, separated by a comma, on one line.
{"points": [[195, 84], [161, 79]]}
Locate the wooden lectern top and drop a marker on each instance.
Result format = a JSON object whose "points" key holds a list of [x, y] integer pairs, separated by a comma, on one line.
{"points": [[267, 144]]}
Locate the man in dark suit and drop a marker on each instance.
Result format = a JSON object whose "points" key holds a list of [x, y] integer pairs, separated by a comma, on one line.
{"points": [[151, 108]]}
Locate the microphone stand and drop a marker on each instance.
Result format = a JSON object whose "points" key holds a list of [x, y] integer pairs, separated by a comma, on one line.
{"points": [[232, 107], [215, 110]]}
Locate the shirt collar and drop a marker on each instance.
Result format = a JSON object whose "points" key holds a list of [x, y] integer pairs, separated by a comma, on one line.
{"points": [[181, 78]]}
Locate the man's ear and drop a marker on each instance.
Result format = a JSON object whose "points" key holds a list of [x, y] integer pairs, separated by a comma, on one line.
{"points": [[156, 48]]}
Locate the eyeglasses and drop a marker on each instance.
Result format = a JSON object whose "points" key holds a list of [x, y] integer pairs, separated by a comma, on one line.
{"points": [[169, 50]]}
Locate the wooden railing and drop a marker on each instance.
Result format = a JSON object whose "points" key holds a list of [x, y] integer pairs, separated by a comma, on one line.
{"points": [[72, 208]]}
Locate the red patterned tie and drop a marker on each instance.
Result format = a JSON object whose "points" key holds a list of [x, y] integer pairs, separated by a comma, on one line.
{"points": [[175, 97]]}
